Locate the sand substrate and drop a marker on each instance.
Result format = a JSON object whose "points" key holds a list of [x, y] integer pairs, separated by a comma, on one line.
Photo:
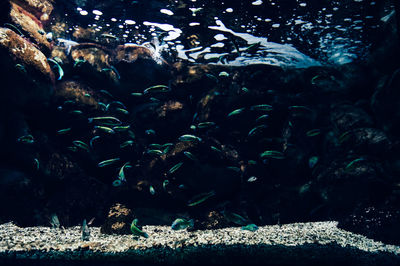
{"points": [[290, 244]]}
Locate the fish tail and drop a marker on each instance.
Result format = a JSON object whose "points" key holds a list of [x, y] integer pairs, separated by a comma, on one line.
{"points": [[191, 223]]}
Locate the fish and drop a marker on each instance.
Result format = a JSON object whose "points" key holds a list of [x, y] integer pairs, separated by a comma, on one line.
{"points": [[245, 90], [234, 218], [344, 136], [126, 144], [250, 227], [261, 107], [150, 132], [85, 231], [216, 149], [105, 92], [255, 130], [167, 149], [59, 68], [169, 144], [180, 224], [105, 129], [233, 168], [200, 198], [136, 230], [205, 124], [37, 164], [76, 112], [118, 103], [14, 28], [88, 95], [105, 120], [313, 132], [350, 165], [165, 184], [152, 190], [63, 131], [253, 48], [28, 139], [272, 154], [312, 161], [223, 74], [117, 183], [314, 79], [67, 102], [92, 140], [153, 99], [68, 44], [251, 162], [155, 146], [21, 68], [121, 128], [294, 107], [80, 144], [79, 62], [72, 148], [137, 94], [156, 88], [154, 152], [54, 221], [190, 155], [236, 112], [131, 134], [121, 173], [210, 76], [122, 111], [188, 137], [262, 118], [182, 186], [251, 179], [113, 69], [109, 36], [175, 168], [107, 162], [192, 127]]}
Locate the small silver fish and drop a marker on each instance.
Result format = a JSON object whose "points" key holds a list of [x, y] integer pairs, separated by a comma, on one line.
{"points": [[180, 224], [85, 231], [55, 223]]}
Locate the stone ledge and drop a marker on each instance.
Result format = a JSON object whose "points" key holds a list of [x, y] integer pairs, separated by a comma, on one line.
{"points": [[300, 244]]}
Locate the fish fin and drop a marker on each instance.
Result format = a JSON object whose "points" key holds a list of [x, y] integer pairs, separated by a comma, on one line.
{"points": [[191, 223]]}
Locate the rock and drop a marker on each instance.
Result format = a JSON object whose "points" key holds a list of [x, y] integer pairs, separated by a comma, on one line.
{"points": [[31, 25], [346, 117], [82, 95], [139, 67], [118, 221], [40, 8], [344, 184], [366, 140], [29, 74], [212, 220], [95, 56]]}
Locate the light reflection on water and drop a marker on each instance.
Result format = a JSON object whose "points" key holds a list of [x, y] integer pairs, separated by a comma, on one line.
{"points": [[289, 33]]}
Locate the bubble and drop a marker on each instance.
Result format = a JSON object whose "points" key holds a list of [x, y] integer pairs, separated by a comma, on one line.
{"points": [[130, 22], [97, 12], [83, 12], [167, 12]]}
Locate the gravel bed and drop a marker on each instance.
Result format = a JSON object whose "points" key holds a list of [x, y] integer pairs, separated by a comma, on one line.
{"points": [[302, 243]]}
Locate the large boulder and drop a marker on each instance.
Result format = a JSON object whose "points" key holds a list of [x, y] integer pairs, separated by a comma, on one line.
{"points": [[30, 25], [29, 77]]}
